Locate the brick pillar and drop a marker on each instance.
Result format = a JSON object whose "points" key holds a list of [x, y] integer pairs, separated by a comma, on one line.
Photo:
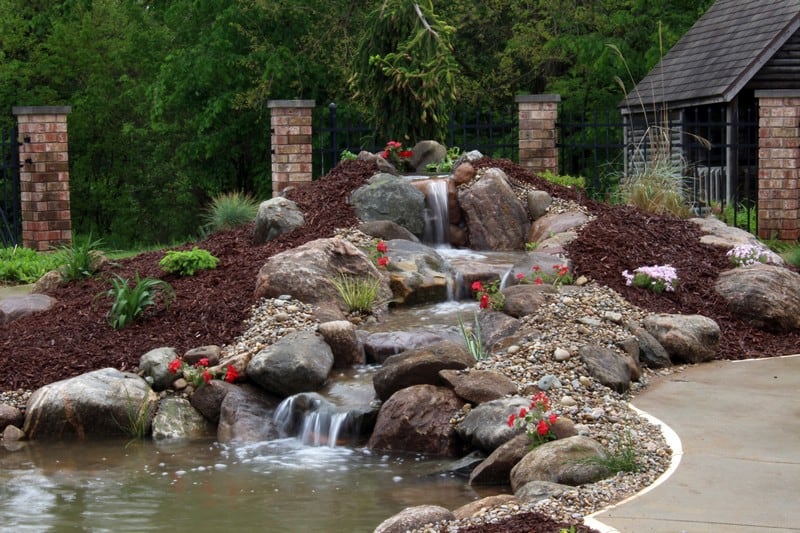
{"points": [[291, 142], [537, 132], [778, 162], [44, 176]]}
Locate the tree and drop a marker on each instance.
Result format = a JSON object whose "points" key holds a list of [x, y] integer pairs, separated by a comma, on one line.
{"points": [[405, 71]]}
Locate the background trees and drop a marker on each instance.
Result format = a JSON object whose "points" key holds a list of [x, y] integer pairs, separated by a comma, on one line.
{"points": [[169, 96]]}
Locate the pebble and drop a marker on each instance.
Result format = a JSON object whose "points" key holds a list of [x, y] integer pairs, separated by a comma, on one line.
{"points": [[560, 354]]}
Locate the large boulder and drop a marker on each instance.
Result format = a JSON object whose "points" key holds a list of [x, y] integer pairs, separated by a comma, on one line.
{"points": [[306, 272], [177, 419], [417, 420], [381, 345], [478, 386], [387, 197], [496, 218], [572, 461], [766, 295], [208, 398], [523, 300], [497, 329], [426, 153], [651, 353], [496, 468], [686, 338], [341, 337], [412, 518], [386, 230], [275, 217], [298, 362], [16, 307], [486, 426], [419, 367], [611, 368], [246, 415], [102, 403], [556, 223], [416, 273], [154, 365]]}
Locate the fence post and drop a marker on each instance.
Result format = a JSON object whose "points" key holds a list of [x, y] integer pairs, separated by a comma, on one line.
{"points": [[291, 133], [538, 114], [44, 176], [778, 161]]}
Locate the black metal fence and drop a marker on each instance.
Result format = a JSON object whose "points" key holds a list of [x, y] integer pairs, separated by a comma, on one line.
{"points": [[338, 128], [10, 218]]}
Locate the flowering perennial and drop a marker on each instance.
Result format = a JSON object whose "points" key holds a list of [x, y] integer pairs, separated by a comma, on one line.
{"points": [[750, 254], [379, 256], [394, 154], [537, 420], [199, 374], [560, 276], [489, 295], [658, 278]]}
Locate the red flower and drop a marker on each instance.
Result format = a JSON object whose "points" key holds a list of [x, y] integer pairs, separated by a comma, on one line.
{"points": [[511, 420], [385, 154], [381, 247], [383, 261], [536, 268], [541, 397], [553, 418], [405, 154], [202, 362], [542, 428], [207, 376], [523, 412], [174, 366], [538, 281], [231, 375], [520, 275], [477, 286], [484, 301]]}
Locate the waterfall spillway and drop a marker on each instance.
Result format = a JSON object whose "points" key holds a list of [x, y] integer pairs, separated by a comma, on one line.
{"points": [[436, 212], [315, 421]]}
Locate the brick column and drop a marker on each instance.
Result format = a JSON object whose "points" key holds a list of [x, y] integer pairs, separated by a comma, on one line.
{"points": [[778, 161], [537, 132], [44, 176], [291, 142]]}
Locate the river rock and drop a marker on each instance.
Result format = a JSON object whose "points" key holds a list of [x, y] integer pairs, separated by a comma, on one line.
{"points": [[417, 420], [341, 337], [177, 419], [478, 386], [208, 398], [496, 219], [16, 307], [534, 491], [425, 153], [611, 368], [386, 230], [298, 362], [210, 352], [523, 300], [379, 346], [10, 416], [768, 296], [464, 173], [538, 203], [419, 367], [154, 365], [479, 506], [486, 426], [686, 338], [412, 518], [387, 197], [306, 272], [555, 223], [416, 273], [102, 403], [651, 353], [564, 461], [275, 217], [246, 415], [497, 329], [496, 468]]}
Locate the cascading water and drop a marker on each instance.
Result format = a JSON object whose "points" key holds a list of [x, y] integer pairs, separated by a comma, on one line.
{"points": [[436, 213], [317, 422]]}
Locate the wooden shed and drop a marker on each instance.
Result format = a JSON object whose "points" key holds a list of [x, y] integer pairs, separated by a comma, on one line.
{"points": [[707, 88]]}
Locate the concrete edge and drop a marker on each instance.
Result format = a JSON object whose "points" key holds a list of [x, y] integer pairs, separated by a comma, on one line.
{"points": [[673, 441]]}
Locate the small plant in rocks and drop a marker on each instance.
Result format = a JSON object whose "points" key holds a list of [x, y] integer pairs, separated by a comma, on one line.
{"points": [[472, 338], [489, 295], [187, 263], [199, 374], [750, 254], [537, 276], [658, 278], [131, 301], [537, 420], [378, 254], [359, 294]]}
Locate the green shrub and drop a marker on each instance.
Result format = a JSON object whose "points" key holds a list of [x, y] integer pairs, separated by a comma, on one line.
{"points": [[81, 259], [359, 294], [130, 302], [565, 181], [23, 265], [187, 263], [230, 210]]}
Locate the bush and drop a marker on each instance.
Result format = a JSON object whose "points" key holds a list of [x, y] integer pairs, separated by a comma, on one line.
{"points": [[230, 210], [23, 265], [187, 263], [565, 181], [130, 302], [81, 259]]}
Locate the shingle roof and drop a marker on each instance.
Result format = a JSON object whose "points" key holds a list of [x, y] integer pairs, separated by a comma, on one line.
{"points": [[724, 49]]}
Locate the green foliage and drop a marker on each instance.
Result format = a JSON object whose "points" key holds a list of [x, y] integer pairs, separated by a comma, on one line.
{"points": [[621, 458], [739, 216], [472, 338], [137, 421], [23, 265], [405, 71], [131, 301], [187, 263], [81, 259], [230, 210], [656, 186], [359, 294], [564, 180], [791, 254], [446, 165], [347, 155]]}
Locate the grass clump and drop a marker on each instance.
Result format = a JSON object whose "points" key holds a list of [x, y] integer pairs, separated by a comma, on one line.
{"points": [[81, 259], [621, 458], [187, 263], [24, 265], [131, 301], [230, 210], [359, 293], [472, 338]]}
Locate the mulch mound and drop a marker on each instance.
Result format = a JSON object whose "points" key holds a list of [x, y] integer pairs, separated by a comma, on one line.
{"points": [[74, 337]]}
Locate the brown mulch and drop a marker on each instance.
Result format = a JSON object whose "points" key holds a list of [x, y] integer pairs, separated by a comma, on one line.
{"points": [[74, 337]]}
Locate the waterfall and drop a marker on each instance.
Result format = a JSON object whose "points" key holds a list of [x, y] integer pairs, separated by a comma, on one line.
{"points": [[436, 214], [315, 421]]}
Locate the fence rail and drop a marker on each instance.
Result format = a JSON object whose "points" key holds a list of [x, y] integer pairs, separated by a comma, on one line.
{"points": [[10, 217]]}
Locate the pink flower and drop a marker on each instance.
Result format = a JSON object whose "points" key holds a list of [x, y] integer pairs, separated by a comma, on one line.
{"points": [[383, 261], [520, 275], [536, 268], [484, 301], [381, 247], [174, 366]]}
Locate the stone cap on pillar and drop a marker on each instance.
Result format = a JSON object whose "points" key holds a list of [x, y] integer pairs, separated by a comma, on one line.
{"points": [[778, 93], [531, 98], [290, 103], [41, 110]]}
